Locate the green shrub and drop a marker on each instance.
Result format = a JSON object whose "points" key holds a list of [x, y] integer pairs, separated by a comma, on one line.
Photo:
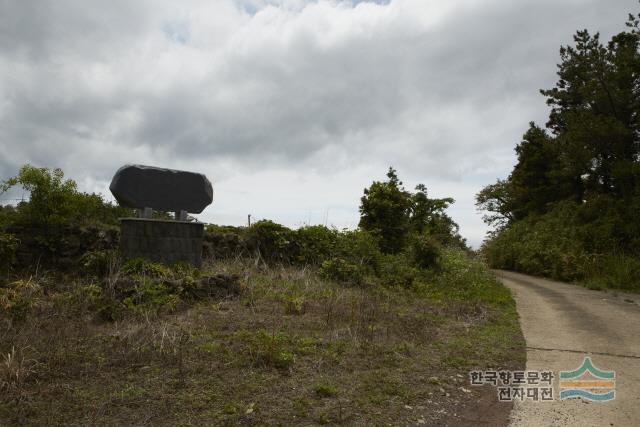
{"points": [[549, 245], [55, 201], [81, 297], [110, 309], [152, 287], [144, 267], [359, 247], [184, 269], [325, 389], [17, 298], [215, 228], [272, 241], [614, 271], [51, 224], [99, 263], [8, 214], [8, 247], [462, 278], [385, 211], [593, 242], [272, 349], [342, 271], [314, 244], [294, 305], [152, 296], [397, 271], [425, 251]]}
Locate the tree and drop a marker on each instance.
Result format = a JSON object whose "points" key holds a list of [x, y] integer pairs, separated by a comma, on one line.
{"points": [[574, 194], [428, 217], [394, 215], [384, 211], [533, 183], [498, 201], [55, 201], [593, 149], [595, 113], [50, 195]]}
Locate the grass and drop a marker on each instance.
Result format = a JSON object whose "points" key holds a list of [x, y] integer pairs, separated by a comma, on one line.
{"points": [[616, 272], [324, 389], [289, 348]]}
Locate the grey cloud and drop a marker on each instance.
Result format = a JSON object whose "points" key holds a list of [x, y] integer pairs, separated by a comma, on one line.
{"points": [[284, 98], [281, 84]]}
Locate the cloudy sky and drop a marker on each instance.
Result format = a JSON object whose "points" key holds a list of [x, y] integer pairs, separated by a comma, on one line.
{"points": [[290, 107]]}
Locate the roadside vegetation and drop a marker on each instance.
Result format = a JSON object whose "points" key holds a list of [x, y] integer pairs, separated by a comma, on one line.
{"points": [[374, 326], [569, 209]]}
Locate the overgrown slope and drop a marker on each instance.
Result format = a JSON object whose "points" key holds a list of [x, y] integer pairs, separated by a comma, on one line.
{"points": [[271, 346]]}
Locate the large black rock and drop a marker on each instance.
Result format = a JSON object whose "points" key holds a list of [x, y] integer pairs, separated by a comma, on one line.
{"points": [[168, 190]]}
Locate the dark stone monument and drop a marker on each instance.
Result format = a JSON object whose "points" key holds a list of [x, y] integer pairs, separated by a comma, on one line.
{"points": [[148, 188]]}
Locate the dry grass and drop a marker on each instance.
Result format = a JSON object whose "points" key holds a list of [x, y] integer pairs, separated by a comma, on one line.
{"points": [[290, 349], [15, 369]]}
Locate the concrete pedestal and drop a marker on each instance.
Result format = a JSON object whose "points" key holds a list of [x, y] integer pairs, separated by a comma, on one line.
{"points": [[161, 240]]}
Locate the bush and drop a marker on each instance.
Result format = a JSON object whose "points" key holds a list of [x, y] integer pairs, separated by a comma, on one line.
{"points": [[573, 242], [272, 349], [614, 271], [342, 271], [271, 241], [8, 247], [385, 211], [17, 298], [144, 267], [99, 263], [52, 224], [314, 244], [144, 286], [397, 271], [462, 278], [294, 305], [359, 247], [55, 201], [549, 245], [325, 389], [215, 228], [150, 295], [425, 251], [221, 244]]}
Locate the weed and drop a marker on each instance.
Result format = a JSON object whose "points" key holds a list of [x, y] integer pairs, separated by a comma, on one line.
{"points": [[271, 349], [325, 389], [19, 297], [294, 305], [15, 369], [206, 363]]}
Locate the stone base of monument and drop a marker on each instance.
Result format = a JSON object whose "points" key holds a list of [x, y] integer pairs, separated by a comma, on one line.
{"points": [[162, 240]]}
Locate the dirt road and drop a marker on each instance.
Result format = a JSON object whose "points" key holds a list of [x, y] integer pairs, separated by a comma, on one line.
{"points": [[562, 324]]}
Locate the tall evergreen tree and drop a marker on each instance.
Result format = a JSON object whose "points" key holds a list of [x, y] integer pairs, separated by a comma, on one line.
{"points": [[384, 211], [593, 149]]}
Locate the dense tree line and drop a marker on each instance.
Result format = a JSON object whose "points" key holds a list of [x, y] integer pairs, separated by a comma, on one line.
{"points": [[575, 188]]}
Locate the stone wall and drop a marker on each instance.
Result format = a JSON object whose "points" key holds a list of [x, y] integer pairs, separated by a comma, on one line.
{"points": [[161, 240], [60, 247]]}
